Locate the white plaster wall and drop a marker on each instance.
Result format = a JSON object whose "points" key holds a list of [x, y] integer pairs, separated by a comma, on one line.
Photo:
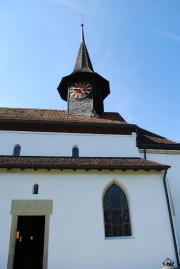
{"points": [[173, 159], [76, 238], [60, 144]]}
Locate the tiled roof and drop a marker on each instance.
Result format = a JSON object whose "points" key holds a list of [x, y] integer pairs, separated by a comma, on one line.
{"points": [[151, 140], [79, 163], [107, 123], [48, 115]]}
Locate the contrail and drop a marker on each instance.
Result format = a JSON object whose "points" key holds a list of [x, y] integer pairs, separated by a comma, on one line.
{"points": [[163, 103]]}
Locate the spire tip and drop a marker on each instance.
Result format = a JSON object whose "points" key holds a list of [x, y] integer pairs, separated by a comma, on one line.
{"points": [[82, 32]]}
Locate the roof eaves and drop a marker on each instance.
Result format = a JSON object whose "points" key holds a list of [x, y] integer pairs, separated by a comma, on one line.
{"points": [[93, 167], [159, 146], [75, 123]]}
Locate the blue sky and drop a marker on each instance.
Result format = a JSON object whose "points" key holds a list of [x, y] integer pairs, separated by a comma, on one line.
{"points": [[135, 44]]}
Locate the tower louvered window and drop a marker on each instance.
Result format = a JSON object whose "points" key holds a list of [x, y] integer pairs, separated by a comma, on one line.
{"points": [[116, 212]]}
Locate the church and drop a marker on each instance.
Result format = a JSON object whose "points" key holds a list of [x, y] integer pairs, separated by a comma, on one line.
{"points": [[83, 188]]}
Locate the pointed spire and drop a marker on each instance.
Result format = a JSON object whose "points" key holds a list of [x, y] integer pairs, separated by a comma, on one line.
{"points": [[82, 33], [83, 62]]}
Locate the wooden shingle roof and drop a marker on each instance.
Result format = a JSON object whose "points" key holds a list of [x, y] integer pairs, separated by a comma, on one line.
{"points": [[83, 62]]}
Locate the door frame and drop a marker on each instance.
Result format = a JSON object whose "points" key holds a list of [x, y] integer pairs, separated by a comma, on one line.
{"points": [[31, 208]]}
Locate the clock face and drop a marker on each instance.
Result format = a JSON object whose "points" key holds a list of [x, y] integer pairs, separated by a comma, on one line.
{"points": [[80, 89]]}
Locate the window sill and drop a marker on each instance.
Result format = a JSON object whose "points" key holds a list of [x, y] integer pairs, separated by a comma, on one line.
{"points": [[119, 237]]}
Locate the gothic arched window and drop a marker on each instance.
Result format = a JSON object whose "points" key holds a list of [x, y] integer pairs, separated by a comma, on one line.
{"points": [[116, 212], [75, 151], [17, 150]]}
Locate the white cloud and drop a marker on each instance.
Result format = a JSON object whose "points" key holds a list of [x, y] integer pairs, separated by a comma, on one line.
{"points": [[170, 35]]}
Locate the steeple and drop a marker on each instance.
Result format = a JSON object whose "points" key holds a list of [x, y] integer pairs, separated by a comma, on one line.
{"points": [[83, 62], [84, 90]]}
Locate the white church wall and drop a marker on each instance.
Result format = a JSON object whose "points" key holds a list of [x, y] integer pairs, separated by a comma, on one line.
{"points": [[76, 236], [60, 144], [171, 158]]}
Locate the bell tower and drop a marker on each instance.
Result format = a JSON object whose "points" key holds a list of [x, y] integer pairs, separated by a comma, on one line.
{"points": [[84, 90]]}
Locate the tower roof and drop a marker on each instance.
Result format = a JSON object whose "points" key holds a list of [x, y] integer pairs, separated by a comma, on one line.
{"points": [[83, 62], [83, 70]]}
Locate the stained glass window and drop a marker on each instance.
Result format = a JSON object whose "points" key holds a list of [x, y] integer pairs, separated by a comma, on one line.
{"points": [[116, 212]]}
